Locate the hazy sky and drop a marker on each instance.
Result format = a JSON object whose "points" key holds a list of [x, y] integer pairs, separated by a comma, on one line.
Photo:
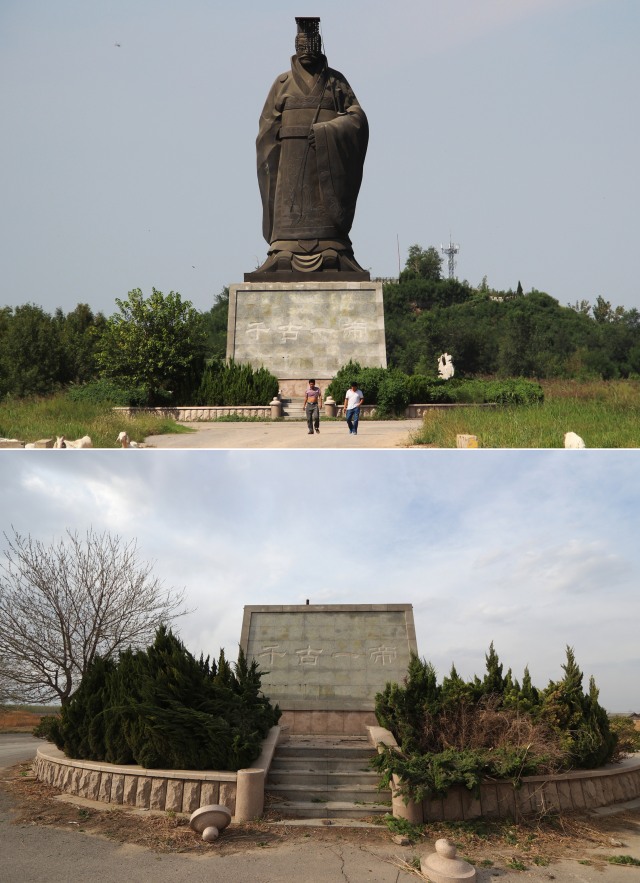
{"points": [[127, 156], [533, 550]]}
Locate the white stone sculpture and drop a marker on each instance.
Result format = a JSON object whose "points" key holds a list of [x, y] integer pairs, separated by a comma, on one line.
{"points": [[445, 366], [210, 821], [84, 442], [442, 866]]}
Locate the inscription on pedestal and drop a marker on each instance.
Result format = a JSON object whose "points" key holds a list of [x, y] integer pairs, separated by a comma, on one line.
{"points": [[329, 656], [305, 329]]}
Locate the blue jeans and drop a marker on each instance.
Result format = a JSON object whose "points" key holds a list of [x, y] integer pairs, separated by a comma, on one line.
{"points": [[353, 415]]}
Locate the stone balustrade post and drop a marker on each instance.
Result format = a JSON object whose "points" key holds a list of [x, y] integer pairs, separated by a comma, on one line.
{"points": [[249, 795]]}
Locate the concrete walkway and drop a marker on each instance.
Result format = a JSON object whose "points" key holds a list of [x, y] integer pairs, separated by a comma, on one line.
{"points": [[291, 434]]}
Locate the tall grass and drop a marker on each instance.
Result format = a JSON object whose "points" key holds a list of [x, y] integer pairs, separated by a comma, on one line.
{"points": [[606, 414], [36, 418]]}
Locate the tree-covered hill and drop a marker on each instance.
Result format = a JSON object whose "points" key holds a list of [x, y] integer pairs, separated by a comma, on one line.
{"points": [[503, 333]]}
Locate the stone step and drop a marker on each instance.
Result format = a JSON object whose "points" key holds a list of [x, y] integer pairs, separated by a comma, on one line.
{"points": [[323, 778], [298, 789], [312, 763], [354, 750], [332, 809]]}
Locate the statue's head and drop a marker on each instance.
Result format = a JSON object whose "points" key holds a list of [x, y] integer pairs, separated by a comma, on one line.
{"points": [[308, 41]]}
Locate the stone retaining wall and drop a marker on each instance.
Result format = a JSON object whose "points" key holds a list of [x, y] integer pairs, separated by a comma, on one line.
{"points": [[567, 792], [242, 792]]}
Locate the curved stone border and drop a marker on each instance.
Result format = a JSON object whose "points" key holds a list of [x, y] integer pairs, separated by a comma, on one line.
{"points": [[166, 790], [567, 792]]}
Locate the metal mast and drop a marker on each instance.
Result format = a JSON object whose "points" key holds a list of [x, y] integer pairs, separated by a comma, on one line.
{"points": [[451, 251]]}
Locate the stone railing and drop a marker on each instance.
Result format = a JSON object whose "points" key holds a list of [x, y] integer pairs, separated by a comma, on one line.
{"points": [[273, 411], [193, 413], [566, 792], [165, 790]]}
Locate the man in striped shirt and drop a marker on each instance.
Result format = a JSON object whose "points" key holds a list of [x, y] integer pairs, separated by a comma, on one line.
{"points": [[312, 404]]}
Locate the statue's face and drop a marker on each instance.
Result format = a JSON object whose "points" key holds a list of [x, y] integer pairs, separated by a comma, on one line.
{"points": [[307, 50]]}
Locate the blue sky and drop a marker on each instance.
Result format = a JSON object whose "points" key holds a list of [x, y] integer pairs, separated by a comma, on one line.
{"points": [[533, 550], [127, 158]]}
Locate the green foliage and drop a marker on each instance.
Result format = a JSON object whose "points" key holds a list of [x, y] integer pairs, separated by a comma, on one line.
{"points": [[398, 825], [460, 733], [163, 708], [31, 419], [423, 264], [578, 718], [623, 860], [46, 728], [229, 383], [392, 390], [504, 333], [31, 352], [40, 353], [157, 344], [107, 392], [393, 395], [627, 736], [605, 413], [215, 323]]}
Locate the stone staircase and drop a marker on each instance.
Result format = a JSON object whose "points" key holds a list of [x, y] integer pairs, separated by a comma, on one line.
{"points": [[324, 777], [292, 408]]}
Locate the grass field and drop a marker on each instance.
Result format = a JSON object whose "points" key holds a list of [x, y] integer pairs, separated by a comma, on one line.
{"points": [[606, 414], [23, 719], [33, 419]]}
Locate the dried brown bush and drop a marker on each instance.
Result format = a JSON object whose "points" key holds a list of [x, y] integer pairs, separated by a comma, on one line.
{"points": [[484, 725]]}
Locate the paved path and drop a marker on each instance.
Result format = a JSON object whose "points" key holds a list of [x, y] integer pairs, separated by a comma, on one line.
{"points": [[291, 434], [14, 748]]}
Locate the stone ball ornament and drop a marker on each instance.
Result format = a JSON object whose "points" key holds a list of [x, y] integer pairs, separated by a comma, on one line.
{"points": [[442, 866], [210, 821]]}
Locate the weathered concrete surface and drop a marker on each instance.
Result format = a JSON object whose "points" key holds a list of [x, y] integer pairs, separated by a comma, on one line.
{"points": [[306, 329], [329, 656], [291, 434]]}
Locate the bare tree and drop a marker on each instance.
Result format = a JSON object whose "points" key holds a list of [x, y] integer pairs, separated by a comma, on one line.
{"points": [[62, 604]]}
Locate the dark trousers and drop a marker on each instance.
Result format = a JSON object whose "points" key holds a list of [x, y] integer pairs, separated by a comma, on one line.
{"points": [[313, 415]]}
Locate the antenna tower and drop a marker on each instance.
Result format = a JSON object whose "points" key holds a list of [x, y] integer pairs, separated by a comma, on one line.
{"points": [[451, 251]]}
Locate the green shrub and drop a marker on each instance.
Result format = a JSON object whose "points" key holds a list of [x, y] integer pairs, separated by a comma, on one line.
{"points": [[627, 736], [393, 395], [392, 390], [458, 733], [47, 728], [161, 707], [229, 383], [107, 392]]}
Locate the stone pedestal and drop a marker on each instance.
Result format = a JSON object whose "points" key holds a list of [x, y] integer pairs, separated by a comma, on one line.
{"points": [[324, 663], [299, 330]]}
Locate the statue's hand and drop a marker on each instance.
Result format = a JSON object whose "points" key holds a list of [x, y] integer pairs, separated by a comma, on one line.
{"points": [[311, 138]]}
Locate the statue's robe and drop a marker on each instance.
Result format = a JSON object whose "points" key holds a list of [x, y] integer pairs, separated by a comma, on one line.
{"points": [[309, 192]]}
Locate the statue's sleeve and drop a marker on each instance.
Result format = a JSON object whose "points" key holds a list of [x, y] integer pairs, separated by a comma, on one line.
{"points": [[341, 147], [268, 152]]}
